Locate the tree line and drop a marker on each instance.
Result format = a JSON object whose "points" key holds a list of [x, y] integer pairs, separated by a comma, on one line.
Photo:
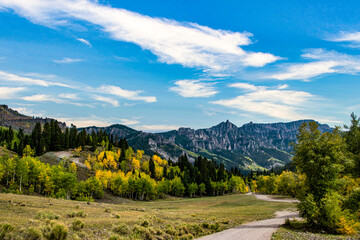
{"points": [[327, 177], [50, 137]]}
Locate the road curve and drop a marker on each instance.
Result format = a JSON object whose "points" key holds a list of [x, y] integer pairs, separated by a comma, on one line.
{"points": [[259, 230], [268, 198]]}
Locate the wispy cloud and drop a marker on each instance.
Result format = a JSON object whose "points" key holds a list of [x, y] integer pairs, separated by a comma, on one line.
{"points": [[87, 121], [43, 98], [68, 60], [111, 101], [29, 112], [124, 59], [50, 98], [9, 77], [130, 95], [349, 37], [193, 88], [84, 41], [323, 62], [129, 122], [69, 96], [10, 92], [188, 44], [156, 128], [273, 102]]}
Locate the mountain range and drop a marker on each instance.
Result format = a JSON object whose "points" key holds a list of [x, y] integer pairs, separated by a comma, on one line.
{"points": [[253, 146]]}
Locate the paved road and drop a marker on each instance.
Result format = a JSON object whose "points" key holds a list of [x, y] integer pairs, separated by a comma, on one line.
{"points": [[259, 230]]}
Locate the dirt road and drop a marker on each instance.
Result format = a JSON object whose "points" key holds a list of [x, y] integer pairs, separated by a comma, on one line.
{"points": [[259, 230], [270, 199]]}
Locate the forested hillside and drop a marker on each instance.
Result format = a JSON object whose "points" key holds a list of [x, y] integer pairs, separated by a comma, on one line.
{"points": [[16, 120]]}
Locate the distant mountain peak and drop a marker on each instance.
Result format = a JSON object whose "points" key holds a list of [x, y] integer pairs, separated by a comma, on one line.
{"points": [[225, 125]]}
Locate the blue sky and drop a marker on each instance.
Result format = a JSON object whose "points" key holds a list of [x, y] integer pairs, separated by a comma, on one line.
{"points": [[158, 65]]}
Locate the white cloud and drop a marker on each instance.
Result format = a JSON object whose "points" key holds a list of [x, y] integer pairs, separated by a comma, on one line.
{"points": [[352, 37], [193, 88], [10, 92], [50, 98], [124, 59], [97, 121], [9, 77], [129, 122], [43, 98], [188, 44], [86, 122], [156, 128], [111, 101], [29, 112], [130, 95], [84, 41], [68, 60], [277, 103], [68, 95], [324, 62]]}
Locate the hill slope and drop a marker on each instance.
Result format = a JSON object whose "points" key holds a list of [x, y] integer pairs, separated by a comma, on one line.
{"points": [[10, 117]]}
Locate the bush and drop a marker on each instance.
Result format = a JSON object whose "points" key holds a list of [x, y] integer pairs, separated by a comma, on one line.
{"points": [[186, 236], [205, 225], [145, 223], [47, 215], [215, 226], [353, 201], [58, 232], [114, 237], [33, 234], [348, 226], [122, 229], [77, 225], [73, 214], [5, 229], [138, 229]]}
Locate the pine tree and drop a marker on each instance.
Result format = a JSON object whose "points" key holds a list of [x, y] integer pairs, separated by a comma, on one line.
{"points": [[152, 168]]}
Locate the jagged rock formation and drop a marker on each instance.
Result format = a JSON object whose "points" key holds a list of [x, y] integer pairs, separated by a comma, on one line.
{"points": [[251, 146]]}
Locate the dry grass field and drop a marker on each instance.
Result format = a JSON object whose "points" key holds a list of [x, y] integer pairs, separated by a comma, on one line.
{"points": [[164, 219]]}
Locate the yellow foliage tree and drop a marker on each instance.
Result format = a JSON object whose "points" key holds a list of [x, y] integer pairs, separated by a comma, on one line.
{"points": [[72, 167]]}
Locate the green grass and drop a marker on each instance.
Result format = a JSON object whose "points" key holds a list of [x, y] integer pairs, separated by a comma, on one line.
{"points": [[299, 230], [175, 217]]}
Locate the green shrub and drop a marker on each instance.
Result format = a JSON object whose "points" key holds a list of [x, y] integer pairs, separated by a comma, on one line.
{"points": [[170, 230], [122, 229], [58, 232], [186, 236], [73, 214], [215, 226], [33, 234], [205, 225], [138, 229], [353, 201], [5, 229], [114, 237], [145, 223], [47, 215], [77, 225]]}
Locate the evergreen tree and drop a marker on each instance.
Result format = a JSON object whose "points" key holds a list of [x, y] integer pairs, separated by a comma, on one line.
{"points": [[152, 168]]}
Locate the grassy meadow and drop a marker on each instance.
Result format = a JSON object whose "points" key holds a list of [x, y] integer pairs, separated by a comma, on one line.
{"points": [[174, 218]]}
